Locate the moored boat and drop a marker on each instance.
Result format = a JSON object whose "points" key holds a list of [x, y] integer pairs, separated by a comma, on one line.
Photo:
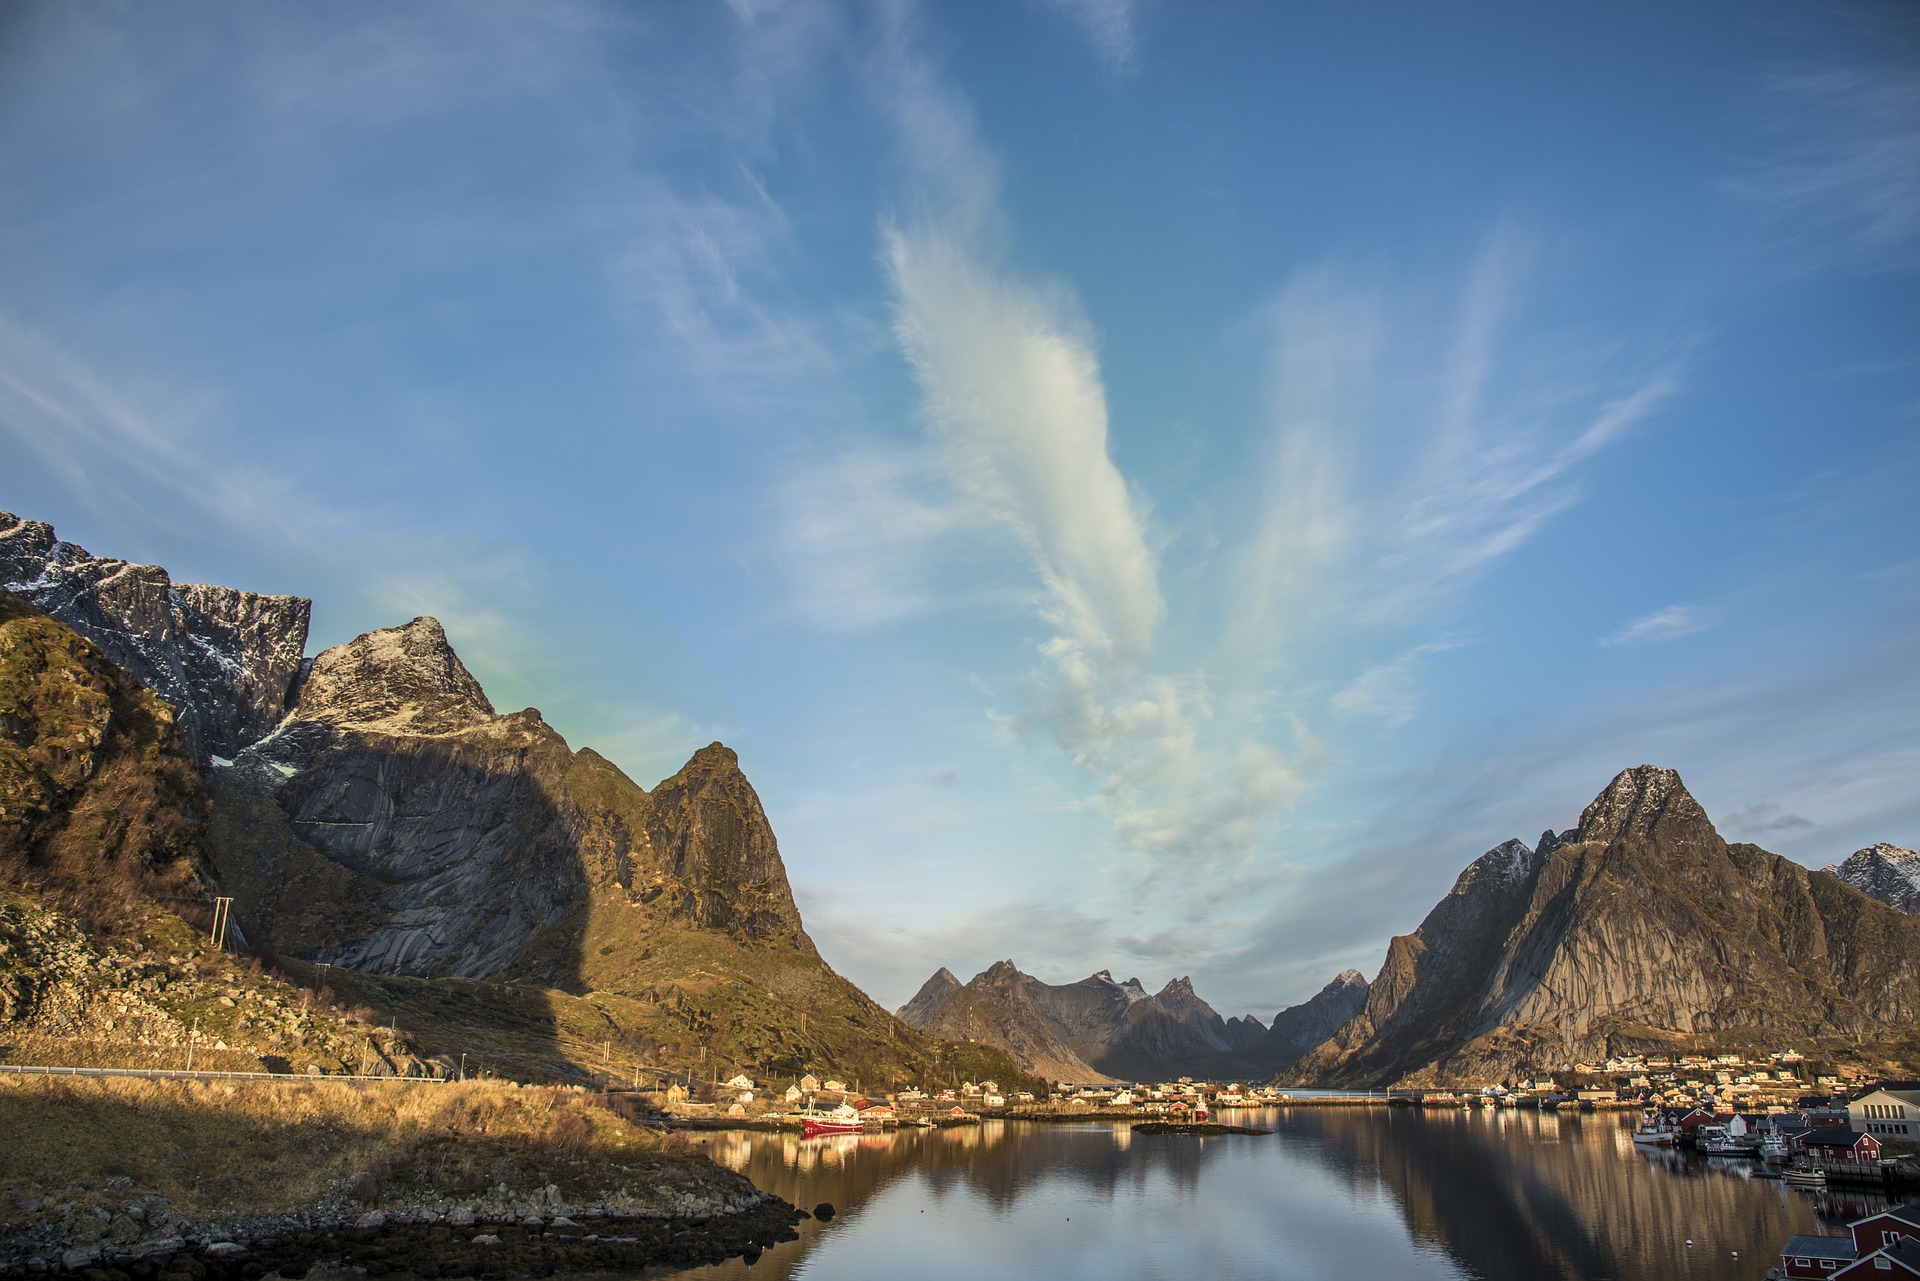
{"points": [[1652, 1132], [841, 1120], [1805, 1177]]}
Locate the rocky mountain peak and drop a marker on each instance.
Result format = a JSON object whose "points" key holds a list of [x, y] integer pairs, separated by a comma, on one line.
{"points": [[1105, 976], [1635, 802], [1346, 979], [1888, 872], [225, 659], [1180, 989], [1134, 990], [398, 680], [713, 835]]}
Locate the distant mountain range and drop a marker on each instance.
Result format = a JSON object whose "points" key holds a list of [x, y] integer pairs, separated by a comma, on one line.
{"points": [[1099, 1030], [384, 832]]}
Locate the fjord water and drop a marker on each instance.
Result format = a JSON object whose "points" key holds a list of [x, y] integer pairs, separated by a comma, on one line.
{"points": [[1373, 1192]]}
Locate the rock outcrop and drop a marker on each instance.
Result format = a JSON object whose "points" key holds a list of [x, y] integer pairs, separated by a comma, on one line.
{"points": [[1887, 872], [1637, 929], [226, 660]]}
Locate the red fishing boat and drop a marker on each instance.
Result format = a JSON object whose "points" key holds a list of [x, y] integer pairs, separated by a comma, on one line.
{"points": [[841, 1120]]}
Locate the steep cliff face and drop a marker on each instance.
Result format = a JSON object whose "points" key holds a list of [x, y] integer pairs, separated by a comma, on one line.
{"points": [[465, 843], [1638, 927], [1887, 872], [1298, 1029], [225, 659]]}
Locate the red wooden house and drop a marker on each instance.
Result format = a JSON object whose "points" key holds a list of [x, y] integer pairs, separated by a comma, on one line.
{"points": [[1889, 1263], [1883, 1229], [1837, 1143], [1815, 1258]]}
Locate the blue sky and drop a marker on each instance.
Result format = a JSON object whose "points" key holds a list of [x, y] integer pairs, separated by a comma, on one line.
{"points": [[1145, 486]]}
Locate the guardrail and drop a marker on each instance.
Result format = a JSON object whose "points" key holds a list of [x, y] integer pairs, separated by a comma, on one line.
{"points": [[174, 1074]]}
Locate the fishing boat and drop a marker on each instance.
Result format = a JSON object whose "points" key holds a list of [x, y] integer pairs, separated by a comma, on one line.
{"points": [[1804, 1177], [1774, 1147], [1655, 1133], [1735, 1138], [840, 1120]]}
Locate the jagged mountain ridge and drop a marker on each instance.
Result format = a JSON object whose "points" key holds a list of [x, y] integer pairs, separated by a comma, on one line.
{"points": [[1639, 927], [226, 660], [1888, 872], [1096, 1029]]}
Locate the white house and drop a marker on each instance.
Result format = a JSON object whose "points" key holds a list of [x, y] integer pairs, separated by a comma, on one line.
{"points": [[793, 1094], [740, 1082], [1894, 1112], [835, 1087], [810, 1084]]}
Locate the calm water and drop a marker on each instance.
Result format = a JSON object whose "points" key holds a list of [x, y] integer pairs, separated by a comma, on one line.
{"points": [[1332, 1192]]}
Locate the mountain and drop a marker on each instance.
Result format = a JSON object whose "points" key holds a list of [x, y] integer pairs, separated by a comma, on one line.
{"points": [[935, 990], [104, 887], [1639, 929], [1093, 1030], [1886, 872], [225, 660], [1299, 1028], [392, 842], [997, 1008]]}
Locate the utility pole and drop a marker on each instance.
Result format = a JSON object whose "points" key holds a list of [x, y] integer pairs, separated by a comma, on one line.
{"points": [[191, 1038], [222, 908], [463, 1065]]}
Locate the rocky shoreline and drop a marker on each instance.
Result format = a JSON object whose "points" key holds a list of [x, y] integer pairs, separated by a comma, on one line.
{"points": [[534, 1235]]}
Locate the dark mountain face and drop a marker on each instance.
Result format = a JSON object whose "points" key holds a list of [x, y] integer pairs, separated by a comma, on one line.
{"points": [[1298, 1029], [462, 843], [225, 659], [1886, 872], [1636, 929]]}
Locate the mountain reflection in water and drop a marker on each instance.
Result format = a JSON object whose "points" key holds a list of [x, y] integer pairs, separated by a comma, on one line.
{"points": [[1373, 1192]]}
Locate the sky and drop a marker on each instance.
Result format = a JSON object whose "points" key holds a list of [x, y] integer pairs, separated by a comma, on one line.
{"points": [[1144, 486]]}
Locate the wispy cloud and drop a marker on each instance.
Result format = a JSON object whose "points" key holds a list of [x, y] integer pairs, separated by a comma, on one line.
{"points": [[1844, 182], [1015, 413], [1110, 25], [153, 456], [1666, 624], [1388, 691]]}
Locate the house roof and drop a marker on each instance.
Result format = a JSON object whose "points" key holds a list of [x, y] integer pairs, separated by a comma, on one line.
{"points": [[1819, 1247], [1908, 1214], [1905, 1252], [1833, 1136]]}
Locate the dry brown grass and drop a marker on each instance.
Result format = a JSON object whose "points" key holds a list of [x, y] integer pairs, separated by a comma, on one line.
{"points": [[248, 1147]]}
